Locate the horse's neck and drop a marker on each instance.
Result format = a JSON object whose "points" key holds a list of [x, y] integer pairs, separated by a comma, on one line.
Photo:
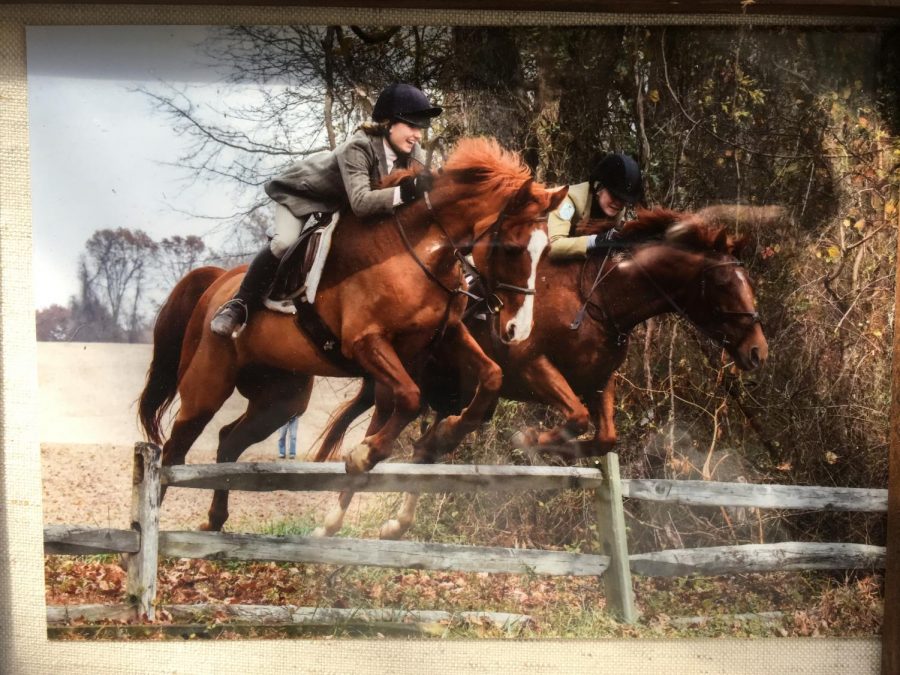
{"points": [[359, 244], [652, 282], [464, 216]]}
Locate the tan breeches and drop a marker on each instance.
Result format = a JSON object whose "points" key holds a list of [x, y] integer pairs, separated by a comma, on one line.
{"points": [[287, 229]]}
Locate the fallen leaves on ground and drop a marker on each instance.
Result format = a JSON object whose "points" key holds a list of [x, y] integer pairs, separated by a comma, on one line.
{"points": [[811, 604]]}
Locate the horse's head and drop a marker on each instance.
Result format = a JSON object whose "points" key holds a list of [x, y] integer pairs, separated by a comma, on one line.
{"points": [[721, 301], [726, 311], [686, 263], [507, 253], [488, 192]]}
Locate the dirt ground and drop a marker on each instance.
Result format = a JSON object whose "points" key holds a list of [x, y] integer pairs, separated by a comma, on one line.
{"points": [[88, 400]]}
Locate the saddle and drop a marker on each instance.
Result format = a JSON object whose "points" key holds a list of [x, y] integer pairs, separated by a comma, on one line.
{"points": [[296, 282], [301, 266]]}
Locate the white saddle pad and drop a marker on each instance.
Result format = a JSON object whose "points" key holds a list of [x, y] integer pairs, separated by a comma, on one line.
{"points": [[315, 272]]}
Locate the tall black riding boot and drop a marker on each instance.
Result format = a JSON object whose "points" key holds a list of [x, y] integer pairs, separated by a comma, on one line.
{"points": [[235, 313]]}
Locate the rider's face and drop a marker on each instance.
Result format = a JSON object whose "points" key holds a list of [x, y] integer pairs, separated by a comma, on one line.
{"points": [[403, 136], [609, 204]]}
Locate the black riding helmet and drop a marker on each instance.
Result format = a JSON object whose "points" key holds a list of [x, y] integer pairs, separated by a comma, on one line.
{"points": [[621, 175], [405, 103]]}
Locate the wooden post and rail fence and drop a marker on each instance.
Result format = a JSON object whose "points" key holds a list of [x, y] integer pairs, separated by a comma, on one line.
{"points": [[144, 543]]}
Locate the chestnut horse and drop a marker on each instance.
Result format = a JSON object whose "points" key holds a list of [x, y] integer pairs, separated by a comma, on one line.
{"points": [[671, 262], [389, 290]]}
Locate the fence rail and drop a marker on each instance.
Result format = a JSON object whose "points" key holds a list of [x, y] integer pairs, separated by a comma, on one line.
{"points": [[346, 551], [330, 477], [83, 540], [709, 493], [144, 543]]}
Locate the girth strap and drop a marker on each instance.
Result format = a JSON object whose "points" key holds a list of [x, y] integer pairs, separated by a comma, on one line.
{"points": [[328, 344]]}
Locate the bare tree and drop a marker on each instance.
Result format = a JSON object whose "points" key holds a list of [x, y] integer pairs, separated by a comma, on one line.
{"points": [[116, 265], [177, 255]]}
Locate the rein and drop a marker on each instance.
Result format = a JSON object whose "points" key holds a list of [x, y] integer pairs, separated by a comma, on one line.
{"points": [[431, 275], [579, 317]]}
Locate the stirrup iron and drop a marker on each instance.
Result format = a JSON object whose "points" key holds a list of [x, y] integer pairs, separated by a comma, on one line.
{"points": [[229, 312]]}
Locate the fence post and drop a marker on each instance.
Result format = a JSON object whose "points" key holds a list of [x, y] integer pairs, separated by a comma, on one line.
{"points": [[611, 529], [142, 565]]}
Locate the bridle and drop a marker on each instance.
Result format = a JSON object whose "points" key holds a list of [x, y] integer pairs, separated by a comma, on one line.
{"points": [[490, 300], [676, 307]]}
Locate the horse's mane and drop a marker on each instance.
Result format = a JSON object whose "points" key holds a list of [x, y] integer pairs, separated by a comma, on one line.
{"points": [[707, 229], [481, 163]]}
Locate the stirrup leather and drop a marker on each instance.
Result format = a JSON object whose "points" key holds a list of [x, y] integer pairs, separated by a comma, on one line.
{"points": [[230, 317]]}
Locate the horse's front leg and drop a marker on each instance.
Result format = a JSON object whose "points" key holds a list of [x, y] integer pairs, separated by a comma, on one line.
{"points": [[334, 519], [603, 409], [547, 385], [374, 353], [445, 435], [398, 526], [607, 435]]}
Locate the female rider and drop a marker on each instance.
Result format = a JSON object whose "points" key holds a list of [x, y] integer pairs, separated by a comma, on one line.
{"points": [[614, 182], [334, 181]]}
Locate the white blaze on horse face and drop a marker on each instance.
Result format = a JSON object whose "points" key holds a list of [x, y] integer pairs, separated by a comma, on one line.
{"points": [[745, 289], [524, 319]]}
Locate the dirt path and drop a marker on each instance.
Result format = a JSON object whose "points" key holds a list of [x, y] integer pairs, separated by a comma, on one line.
{"points": [[88, 428]]}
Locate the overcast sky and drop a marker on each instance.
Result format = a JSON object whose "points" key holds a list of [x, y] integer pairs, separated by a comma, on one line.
{"points": [[98, 151]]}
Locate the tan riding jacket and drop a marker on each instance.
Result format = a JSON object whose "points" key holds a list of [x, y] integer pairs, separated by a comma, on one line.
{"points": [[339, 179], [561, 222]]}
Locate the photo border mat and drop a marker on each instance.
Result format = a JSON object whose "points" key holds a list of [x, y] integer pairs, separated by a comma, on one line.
{"points": [[24, 647]]}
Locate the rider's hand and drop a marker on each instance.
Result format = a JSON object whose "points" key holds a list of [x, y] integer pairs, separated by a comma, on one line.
{"points": [[413, 187]]}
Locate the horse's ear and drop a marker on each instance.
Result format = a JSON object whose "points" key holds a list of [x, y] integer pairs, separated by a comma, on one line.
{"points": [[737, 243], [521, 198], [557, 197], [722, 242]]}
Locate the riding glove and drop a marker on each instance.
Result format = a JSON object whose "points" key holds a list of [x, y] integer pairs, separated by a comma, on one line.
{"points": [[413, 187]]}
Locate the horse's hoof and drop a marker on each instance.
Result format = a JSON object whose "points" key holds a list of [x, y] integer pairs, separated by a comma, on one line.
{"points": [[358, 460], [517, 440], [392, 529], [440, 438], [524, 440], [319, 532]]}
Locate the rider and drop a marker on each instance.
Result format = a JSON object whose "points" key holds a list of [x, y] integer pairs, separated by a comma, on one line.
{"points": [[614, 183], [336, 180]]}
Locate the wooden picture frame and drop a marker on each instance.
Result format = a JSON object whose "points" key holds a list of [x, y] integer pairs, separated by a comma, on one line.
{"points": [[23, 641]]}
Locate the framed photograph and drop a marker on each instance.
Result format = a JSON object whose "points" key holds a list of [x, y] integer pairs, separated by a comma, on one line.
{"points": [[608, 292]]}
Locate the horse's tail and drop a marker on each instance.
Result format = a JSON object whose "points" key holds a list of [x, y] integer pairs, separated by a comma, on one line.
{"points": [[342, 419], [168, 335]]}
